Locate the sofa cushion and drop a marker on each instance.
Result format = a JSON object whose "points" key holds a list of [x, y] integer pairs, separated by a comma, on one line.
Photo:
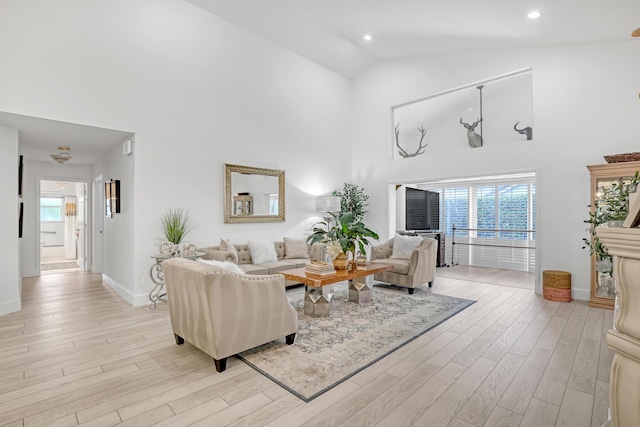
{"points": [[254, 269], [226, 245], [275, 267], [400, 266], [227, 265], [295, 248], [262, 252], [297, 262], [403, 246]]}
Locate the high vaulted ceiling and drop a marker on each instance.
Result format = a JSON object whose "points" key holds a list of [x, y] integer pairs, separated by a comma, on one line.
{"points": [[330, 32]]}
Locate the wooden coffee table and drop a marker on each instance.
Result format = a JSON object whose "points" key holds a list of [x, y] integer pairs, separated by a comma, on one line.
{"points": [[319, 289]]}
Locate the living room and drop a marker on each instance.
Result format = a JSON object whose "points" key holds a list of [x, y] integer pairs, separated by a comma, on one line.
{"points": [[194, 92]]}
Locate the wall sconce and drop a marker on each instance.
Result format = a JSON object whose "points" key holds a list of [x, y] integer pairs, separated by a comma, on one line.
{"points": [[328, 204], [112, 197]]}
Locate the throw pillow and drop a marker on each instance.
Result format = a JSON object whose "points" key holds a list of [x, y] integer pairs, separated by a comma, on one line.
{"points": [[226, 245], [227, 265], [262, 251], [295, 248], [403, 246]]}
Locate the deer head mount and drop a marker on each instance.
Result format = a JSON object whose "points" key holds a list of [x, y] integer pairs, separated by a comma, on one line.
{"points": [[403, 152], [475, 140], [524, 131]]}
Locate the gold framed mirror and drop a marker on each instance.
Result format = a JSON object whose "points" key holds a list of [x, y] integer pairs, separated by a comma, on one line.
{"points": [[253, 194]]}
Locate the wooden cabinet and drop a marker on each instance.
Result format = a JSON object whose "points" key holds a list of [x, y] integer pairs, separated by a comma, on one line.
{"points": [[602, 176]]}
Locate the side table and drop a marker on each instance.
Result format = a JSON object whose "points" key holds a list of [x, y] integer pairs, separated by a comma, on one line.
{"points": [[157, 276]]}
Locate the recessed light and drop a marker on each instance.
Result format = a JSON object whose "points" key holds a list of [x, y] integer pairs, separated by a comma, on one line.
{"points": [[367, 37], [534, 15]]}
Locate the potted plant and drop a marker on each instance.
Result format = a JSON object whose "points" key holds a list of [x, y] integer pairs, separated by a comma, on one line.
{"points": [[611, 205], [348, 234], [175, 224], [353, 199]]}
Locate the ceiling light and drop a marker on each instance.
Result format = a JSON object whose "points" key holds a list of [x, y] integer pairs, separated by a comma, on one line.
{"points": [[367, 37], [63, 154], [534, 15]]}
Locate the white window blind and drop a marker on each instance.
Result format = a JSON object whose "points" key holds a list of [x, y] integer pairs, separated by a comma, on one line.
{"points": [[502, 203]]}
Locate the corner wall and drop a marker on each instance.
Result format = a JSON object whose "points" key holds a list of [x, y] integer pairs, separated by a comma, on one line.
{"points": [[585, 105], [197, 92], [9, 242]]}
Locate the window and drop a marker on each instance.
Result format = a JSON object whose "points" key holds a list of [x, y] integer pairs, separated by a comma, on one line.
{"points": [[506, 203], [273, 204], [51, 209], [456, 210]]}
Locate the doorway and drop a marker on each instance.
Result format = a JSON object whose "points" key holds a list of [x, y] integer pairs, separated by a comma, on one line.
{"points": [[63, 219]]}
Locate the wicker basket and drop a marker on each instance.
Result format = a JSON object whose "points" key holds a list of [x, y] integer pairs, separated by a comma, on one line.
{"points": [[556, 285], [625, 157]]}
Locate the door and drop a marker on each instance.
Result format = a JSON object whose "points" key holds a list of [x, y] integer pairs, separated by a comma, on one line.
{"points": [[98, 223]]}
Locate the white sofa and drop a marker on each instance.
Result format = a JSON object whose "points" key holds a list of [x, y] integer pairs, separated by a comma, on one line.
{"points": [[223, 313], [418, 270], [316, 252]]}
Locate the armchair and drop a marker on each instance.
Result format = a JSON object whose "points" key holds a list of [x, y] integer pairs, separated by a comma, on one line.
{"points": [[223, 313], [419, 269]]}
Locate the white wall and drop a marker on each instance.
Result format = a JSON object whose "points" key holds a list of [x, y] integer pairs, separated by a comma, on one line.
{"points": [[197, 92], [33, 173], [119, 230], [585, 106], [9, 242]]}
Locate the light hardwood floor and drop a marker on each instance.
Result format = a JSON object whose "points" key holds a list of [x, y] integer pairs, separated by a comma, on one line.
{"points": [[78, 354]]}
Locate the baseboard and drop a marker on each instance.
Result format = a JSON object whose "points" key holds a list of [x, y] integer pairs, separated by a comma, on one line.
{"points": [[120, 290], [581, 294], [10, 307], [134, 300]]}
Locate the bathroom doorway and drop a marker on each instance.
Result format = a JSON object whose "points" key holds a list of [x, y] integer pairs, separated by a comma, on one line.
{"points": [[63, 218]]}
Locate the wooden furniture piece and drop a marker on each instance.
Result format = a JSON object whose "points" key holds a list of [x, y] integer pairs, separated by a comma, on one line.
{"points": [[602, 289], [242, 205], [624, 340], [319, 289]]}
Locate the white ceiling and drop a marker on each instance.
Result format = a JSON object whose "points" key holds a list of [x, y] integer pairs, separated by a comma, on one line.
{"points": [[41, 137], [329, 32]]}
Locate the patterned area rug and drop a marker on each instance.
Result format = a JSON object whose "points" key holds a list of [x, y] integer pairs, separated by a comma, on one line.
{"points": [[328, 351], [59, 265]]}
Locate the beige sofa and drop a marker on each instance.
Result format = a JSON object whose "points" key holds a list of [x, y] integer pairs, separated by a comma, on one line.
{"points": [[316, 252], [418, 270], [223, 313]]}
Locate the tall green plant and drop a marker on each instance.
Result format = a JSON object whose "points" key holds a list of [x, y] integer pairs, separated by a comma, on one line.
{"points": [[353, 199], [612, 205], [175, 224], [350, 233]]}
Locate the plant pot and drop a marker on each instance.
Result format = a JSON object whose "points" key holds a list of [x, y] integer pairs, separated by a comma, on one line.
{"points": [[341, 262]]}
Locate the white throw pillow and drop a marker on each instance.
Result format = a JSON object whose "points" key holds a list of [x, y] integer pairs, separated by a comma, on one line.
{"points": [[295, 248], [226, 245], [262, 252], [403, 246], [227, 265]]}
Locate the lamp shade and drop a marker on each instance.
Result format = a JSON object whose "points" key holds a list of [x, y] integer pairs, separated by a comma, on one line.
{"points": [[327, 204]]}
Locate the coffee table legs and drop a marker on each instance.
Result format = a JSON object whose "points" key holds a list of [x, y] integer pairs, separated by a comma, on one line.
{"points": [[360, 291], [318, 300]]}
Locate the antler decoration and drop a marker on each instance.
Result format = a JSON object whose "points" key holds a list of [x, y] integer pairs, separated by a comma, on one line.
{"points": [[404, 152]]}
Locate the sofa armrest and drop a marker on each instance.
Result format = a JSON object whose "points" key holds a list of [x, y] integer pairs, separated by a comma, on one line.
{"points": [[217, 254], [422, 264], [382, 251]]}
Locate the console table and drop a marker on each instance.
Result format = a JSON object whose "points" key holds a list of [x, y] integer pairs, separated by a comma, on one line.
{"points": [[624, 339], [157, 276]]}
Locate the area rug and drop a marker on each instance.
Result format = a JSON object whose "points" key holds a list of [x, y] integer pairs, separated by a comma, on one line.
{"points": [[329, 350], [58, 265]]}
